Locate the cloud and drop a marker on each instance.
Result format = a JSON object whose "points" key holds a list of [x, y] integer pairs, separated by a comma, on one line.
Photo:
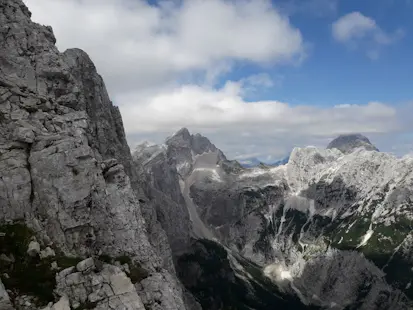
{"points": [[199, 107], [356, 29], [353, 25], [260, 127], [140, 46]]}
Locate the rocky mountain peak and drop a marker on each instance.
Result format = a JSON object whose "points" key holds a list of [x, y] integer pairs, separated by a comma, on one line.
{"points": [[182, 133], [183, 147], [197, 143], [347, 143]]}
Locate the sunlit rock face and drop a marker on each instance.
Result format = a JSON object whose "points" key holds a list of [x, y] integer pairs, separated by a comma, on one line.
{"points": [[66, 172], [331, 227]]}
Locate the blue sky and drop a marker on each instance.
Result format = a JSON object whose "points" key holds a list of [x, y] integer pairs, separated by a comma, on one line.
{"points": [[333, 74], [257, 77]]}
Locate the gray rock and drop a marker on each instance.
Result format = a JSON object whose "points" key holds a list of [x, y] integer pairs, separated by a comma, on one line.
{"points": [[183, 147], [86, 266], [34, 248], [47, 252], [348, 143], [108, 289], [4, 299], [24, 135], [62, 304], [54, 266], [65, 165], [6, 258]]}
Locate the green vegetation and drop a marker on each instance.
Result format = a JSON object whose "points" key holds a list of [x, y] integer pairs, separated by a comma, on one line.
{"points": [[123, 259], [137, 273], [26, 275], [66, 261], [87, 305], [381, 247], [105, 258], [349, 238], [208, 274]]}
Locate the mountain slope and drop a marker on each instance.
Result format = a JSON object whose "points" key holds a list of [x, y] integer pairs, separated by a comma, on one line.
{"points": [[332, 227], [211, 271]]}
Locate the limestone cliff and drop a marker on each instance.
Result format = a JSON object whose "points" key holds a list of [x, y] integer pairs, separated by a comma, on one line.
{"points": [[67, 179]]}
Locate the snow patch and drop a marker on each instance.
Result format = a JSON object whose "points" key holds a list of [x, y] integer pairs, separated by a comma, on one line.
{"points": [[366, 237], [278, 273], [271, 210], [349, 227], [256, 172], [212, 171], [181, 166]]}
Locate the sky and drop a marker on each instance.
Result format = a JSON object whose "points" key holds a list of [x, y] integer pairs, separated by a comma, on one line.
{"points": [[257, 77]]}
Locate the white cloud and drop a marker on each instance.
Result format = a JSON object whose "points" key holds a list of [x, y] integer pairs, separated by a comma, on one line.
{"points": [[202, 107], [136, 45], [356, 29], [353, 25], [261, 127]]}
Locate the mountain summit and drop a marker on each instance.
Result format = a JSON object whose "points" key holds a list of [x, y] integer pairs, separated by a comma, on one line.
{"points": [[349, 142]]}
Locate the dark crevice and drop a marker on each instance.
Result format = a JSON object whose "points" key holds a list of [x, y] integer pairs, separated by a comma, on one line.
{"points": [[29, 168]]}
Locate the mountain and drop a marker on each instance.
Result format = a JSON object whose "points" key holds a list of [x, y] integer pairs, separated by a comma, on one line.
{"points": [[250, 162], [281, 162], [332, 227], [348, 143], [255, 162], [85, 224]]}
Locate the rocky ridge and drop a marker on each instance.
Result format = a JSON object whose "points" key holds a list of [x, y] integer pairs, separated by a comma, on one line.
{"points": [[67, 180]]}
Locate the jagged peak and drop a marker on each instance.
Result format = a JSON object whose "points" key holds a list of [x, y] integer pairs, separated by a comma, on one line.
{"points": [[181, 133], [144, 147], [197, 142], [347, 143]]}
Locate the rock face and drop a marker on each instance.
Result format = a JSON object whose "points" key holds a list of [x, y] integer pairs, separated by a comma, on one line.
{"points": [[348, 143], [4, 298], [66, 169], [331, 227], [108, 288], [163, 189], [182, 148]]}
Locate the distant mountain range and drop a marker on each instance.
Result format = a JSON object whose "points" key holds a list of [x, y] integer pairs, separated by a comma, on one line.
{"points": [[255, 162]]}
